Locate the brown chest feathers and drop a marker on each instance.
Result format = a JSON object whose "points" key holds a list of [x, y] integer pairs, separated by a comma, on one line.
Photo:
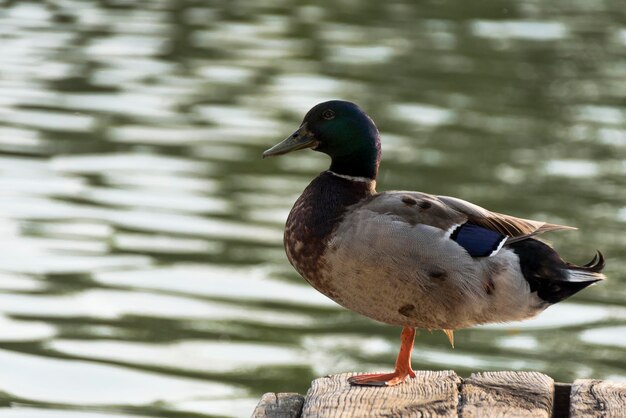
{"points": [[314, 217]]}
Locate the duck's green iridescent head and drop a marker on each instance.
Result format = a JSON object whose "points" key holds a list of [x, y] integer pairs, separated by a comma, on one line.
{"points": [[344, 132]]}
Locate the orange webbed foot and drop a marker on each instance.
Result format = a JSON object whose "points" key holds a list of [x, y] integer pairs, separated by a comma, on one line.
{"points": [[381, 379], [403, 366]]}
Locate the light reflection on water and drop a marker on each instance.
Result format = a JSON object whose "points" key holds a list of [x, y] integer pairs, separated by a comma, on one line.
{"points": [[142, 270]]}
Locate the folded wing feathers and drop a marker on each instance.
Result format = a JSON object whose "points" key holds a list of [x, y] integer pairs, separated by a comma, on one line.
{"points": [[517, 229]]}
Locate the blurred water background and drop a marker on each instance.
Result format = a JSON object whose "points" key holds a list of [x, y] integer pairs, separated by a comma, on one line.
{"points": [[141, 263]]}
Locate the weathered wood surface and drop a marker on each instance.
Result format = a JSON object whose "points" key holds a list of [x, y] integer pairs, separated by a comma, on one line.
{"points": [[444, 394], [597, 398], [429, 394], [506, 394], [279, 405]]}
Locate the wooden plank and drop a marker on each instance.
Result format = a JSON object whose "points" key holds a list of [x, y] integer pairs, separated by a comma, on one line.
{"points": [[507, 394], [429, 394], [597, 398], [279, 405]]}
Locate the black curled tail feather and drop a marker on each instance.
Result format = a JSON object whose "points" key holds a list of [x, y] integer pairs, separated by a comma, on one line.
{"points": [[552, 278], [596, 265]]}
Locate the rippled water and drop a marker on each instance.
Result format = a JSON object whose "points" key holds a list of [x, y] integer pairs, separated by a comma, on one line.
{"points": [[141, 264]]}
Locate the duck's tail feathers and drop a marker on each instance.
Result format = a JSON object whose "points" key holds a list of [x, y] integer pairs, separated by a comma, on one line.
{"points": [[552, 278], [590, 272]]}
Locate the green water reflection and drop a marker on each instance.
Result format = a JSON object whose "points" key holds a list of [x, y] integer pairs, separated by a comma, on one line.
{"points": [[141, 263]]}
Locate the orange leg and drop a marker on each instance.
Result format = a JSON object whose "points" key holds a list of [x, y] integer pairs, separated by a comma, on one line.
{"points": [[403, 365]]}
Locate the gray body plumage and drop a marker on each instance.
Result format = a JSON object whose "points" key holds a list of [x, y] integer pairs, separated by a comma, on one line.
{"points": [[426, 280]]}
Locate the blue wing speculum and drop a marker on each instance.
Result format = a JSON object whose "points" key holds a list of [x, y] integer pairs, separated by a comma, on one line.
{"points": [[478, 241]]}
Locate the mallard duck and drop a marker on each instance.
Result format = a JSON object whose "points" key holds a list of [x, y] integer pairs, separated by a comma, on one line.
{"points": [[413, 259]]}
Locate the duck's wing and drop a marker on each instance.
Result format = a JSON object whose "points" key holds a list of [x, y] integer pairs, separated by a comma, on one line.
{"points": [[479, 231], [516, 229]]}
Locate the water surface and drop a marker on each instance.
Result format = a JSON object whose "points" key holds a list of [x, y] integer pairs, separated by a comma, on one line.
{"points": [[141, 265]]}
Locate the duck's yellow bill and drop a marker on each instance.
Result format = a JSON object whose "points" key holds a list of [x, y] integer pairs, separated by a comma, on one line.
{"points": [[300, 139]]}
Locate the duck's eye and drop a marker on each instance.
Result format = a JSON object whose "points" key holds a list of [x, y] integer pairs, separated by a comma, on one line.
{"points": [[328, 114]]}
